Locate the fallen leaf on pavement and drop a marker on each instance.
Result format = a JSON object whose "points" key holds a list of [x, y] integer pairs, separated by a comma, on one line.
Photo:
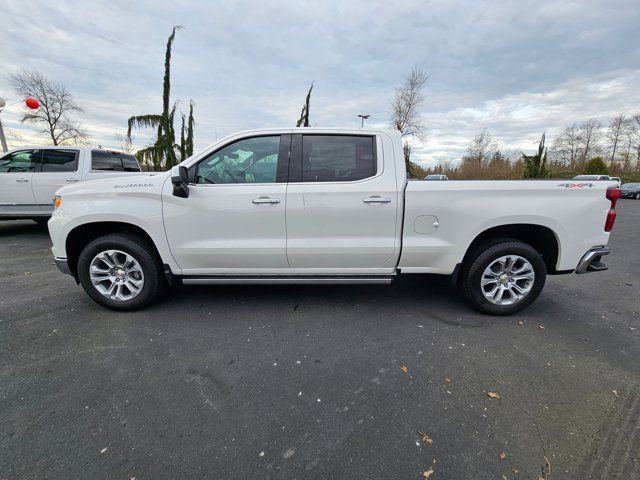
{"points": [[427, 473], [425, 439], [503, 455], [103, 450], [404, 369], [541, 327], [520, 322], [515, 471], [548, 466], [27, 273], [615, 392], [493, 395], [447, 379]]}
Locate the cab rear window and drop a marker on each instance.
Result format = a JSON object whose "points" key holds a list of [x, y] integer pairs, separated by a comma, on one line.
{"points": [[113, 162]]}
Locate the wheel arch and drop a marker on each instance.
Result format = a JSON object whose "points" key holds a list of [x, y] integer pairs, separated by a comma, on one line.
{"points": [[80, 236], [542, 238]]}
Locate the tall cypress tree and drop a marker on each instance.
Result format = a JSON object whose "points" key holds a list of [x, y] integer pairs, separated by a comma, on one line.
{"points": [[303, 121], [535, 166], [162, 153]]}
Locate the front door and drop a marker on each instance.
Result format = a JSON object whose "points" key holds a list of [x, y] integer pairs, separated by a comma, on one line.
{"points": [[16, 174], [233, 221]]}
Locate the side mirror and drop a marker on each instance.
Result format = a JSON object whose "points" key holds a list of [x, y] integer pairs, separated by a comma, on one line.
{"points": [[180, 181]]}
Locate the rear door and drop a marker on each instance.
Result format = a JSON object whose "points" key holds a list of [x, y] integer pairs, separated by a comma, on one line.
{"points": [[16, 175], [56, 169], [342, 205]]}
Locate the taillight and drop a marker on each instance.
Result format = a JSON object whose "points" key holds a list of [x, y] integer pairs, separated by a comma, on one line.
{"points": [[613, 194]]}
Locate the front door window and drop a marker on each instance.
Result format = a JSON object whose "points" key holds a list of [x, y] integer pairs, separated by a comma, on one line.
{"points": [[252, 160]]}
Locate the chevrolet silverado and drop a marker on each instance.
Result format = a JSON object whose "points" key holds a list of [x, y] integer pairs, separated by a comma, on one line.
{"points": [[324, 206]]}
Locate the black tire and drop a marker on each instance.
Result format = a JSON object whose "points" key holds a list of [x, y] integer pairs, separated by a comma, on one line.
{"points": [[474, 267], [142, 251]]}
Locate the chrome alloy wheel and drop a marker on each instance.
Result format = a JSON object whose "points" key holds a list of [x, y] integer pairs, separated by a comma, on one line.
{"points": [[507, 280], [116, 275]]}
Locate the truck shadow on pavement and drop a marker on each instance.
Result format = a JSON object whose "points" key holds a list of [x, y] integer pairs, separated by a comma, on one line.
{"points": [[421, 297], [23, 227]]}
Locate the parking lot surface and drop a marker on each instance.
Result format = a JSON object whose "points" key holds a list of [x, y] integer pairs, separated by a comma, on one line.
{"points": [[319, 382]]}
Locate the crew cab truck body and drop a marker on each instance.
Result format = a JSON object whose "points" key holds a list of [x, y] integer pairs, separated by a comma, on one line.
{"points": [[324, 206], [29, 177]]}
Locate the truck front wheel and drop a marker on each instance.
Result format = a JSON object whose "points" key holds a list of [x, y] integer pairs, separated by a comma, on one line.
{"points": [[503, 278], [120, 271]]}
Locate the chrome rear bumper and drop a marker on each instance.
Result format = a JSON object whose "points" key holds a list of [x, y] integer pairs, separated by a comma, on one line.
{"points": [[592, 260]]}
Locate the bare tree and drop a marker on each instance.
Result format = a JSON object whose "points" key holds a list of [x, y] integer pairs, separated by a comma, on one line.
{"points": [[125, 142], [13, 138], [56, 107], [482, 149], [633, 133], [578, 143], [566, 148], [404, 109], [404, 115], [590, 136], [615, 134]]}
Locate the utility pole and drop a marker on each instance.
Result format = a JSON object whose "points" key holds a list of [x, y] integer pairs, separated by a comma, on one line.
{"points": [[363, 118], [3, 140], [30, 102]]}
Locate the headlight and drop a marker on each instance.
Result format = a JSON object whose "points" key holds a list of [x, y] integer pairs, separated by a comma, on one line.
{"points": [[57, 201]]}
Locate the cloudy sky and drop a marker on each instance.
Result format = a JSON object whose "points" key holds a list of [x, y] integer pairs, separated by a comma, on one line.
{"points": [[517, 68]]}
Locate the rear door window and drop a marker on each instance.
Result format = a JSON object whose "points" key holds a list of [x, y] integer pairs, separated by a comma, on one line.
{"points": [[337, 158], [59, 161]]}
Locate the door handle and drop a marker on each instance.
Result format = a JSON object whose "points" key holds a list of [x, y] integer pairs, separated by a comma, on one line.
{"points": [[73, 180], [376, 199], [22, 180], [265, 200]]}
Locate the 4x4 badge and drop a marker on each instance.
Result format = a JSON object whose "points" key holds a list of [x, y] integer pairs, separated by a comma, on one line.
{"points": [[576, 185]]}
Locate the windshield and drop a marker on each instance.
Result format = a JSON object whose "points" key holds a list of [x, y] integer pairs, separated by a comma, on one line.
{"points": [[630, 185]]}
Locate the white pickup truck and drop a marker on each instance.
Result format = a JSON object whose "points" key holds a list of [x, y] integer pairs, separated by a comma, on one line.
{"points": [[29, 177], [324, 206]]}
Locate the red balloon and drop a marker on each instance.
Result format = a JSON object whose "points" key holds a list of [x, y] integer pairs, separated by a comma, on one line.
{"points": [[32, 103]]}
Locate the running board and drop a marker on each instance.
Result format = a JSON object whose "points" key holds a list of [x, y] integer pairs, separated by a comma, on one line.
{"points": [[264, 280]]}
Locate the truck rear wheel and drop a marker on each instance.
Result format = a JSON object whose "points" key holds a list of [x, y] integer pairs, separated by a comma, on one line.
{"points": [[120, 271], [503, 278]]}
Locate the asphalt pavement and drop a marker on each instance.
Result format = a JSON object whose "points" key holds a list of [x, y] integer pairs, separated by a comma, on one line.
{"points": [[327, 382]]}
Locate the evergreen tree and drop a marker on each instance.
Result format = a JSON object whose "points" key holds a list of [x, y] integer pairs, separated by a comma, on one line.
{"points": [[596, 166], [535, 166], [162, 153], [303, 121]]}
